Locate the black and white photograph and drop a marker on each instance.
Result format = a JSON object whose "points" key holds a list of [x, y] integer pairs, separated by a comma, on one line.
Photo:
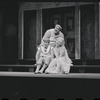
{"points": [[49, 50]]}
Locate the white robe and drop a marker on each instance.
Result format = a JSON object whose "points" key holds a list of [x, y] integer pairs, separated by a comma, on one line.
{"points": [[61, 64]]}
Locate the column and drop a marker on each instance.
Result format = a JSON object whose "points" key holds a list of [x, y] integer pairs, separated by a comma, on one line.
{"points": [[20, 35], [38, 26], [77, 33], [97, 31]]}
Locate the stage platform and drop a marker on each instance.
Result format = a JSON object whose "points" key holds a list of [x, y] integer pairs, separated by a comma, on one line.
{"points": [[69, 75], [30, 86]]}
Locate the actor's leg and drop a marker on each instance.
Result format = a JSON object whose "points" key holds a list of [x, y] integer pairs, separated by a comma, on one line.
{"points": [[39, 64], [37, 68], [51, 66], [46, 63], [43, 68]]}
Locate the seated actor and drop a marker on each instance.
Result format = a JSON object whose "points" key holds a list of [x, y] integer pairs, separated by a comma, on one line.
{"points": [[61, 63], [53, 34], [43, 56]]}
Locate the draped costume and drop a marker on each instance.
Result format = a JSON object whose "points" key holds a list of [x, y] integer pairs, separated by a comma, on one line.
{"points": [[61, 63]]}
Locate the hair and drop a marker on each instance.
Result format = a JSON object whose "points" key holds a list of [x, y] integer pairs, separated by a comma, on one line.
{"points": [[58, 27], [61, 41]]}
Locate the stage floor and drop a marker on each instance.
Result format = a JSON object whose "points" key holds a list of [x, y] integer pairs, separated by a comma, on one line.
{"points": [[28, 84], [70, 75]]}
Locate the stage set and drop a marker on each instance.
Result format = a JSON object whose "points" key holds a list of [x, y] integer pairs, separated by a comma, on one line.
{"points": [[22, 26]]}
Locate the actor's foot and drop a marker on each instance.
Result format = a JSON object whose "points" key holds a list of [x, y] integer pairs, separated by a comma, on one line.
{"points": [[36, 72], [46, 72], [40, 72]]}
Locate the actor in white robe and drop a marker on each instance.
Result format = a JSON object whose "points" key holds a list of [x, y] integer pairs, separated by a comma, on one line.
{"points": [[43, 56], [53, 34], [61, 63]]}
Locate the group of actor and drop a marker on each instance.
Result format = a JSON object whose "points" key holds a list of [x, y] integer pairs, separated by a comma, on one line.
{"points": [[52, 56]]}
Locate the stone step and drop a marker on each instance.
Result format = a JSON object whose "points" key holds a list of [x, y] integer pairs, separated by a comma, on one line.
{"points": [[85, 69], [74, 69], [17, 67]]}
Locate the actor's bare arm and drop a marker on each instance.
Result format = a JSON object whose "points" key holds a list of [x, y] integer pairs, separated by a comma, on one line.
{"points": [[37, 55]]}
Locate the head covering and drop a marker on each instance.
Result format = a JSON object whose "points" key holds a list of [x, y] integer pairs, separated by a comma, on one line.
{"points": [[58, 27]]}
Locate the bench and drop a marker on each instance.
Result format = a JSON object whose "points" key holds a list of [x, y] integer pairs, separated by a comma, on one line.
{"points": [[14, 67], [17, 65], [24, 65], [85, 66], [85, 69], [86, 61]]}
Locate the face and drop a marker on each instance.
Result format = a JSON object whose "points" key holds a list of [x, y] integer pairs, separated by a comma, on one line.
{"points": [[46, 44], [56, 31]]}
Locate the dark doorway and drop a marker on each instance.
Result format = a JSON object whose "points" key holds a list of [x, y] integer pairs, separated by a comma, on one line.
{"points": [[29, 34], [87, 32]]}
